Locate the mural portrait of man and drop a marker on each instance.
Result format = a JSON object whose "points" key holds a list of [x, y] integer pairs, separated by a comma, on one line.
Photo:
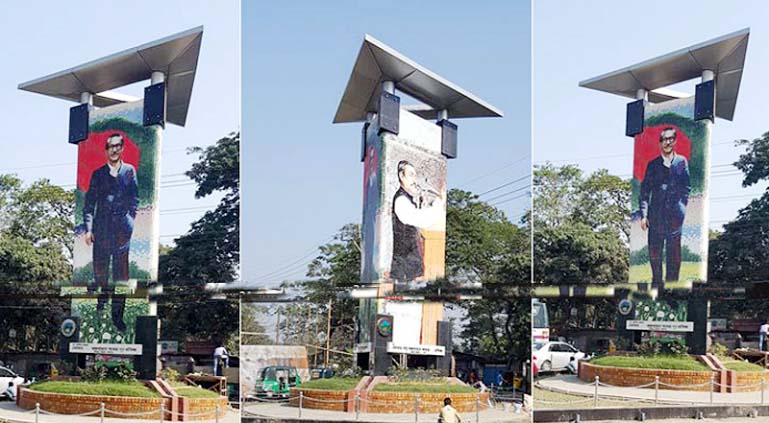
{"points": [[108, 214], [663, 197], [414, 207]]}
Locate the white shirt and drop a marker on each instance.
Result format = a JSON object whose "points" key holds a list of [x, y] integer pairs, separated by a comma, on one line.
{"points": [[764, 328], [427, 217], [220, 352], [114, 169], [667, 161], [449, 414]]}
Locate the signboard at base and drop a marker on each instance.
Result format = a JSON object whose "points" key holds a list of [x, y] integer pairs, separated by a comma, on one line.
{"points": [[438, 350], [660, 326], [363, 347], [109, 349]]}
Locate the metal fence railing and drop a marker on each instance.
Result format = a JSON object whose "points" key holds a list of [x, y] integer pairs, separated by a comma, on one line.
{"points": [[103, 412], [302, 402], [708, 395]]}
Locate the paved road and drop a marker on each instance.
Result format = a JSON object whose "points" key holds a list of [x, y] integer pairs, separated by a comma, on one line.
{"points": [[12, 414], [729, 420], [276, 410], [571, 385]]}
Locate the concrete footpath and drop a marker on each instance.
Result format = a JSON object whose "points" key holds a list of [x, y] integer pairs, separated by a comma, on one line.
{"points": [[569, 384], [277, 411], [10, 413]]}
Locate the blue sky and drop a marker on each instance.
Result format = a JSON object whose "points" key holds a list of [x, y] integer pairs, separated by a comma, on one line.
{"points": [[574, 41], [302, 176], [44, 37]]}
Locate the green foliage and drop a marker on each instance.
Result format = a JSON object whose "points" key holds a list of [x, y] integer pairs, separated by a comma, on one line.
{"points": [[35, 248], [84, 274], [665, 345], [95, 373], [438, 386], [169, 374], [580, 226], [332, 384], [118, 389], [97, 326], [719, 350], [208, 253], [113, 372], [642, 256], [195, 392], [482, 245], [741, 366], [678, 362]]}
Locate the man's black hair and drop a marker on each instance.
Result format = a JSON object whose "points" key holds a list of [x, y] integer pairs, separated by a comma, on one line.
{"points": [[447, 401], [669, 128], [113, 135]]}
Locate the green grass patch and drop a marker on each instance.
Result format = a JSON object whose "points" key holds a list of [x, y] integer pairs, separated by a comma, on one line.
{"points": [[195, 392], [332, 384], [448, 388], [690, 271], [740, 366], [110, 389], [664, 362]]}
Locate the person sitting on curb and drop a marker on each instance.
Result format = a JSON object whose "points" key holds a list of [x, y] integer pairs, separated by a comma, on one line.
{"points": [[10, 392], [572, 366], [448, 413]]}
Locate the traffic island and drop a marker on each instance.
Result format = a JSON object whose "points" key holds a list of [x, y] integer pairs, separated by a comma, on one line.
{"points": [[130, 400], [703, 373], [381, 394]]}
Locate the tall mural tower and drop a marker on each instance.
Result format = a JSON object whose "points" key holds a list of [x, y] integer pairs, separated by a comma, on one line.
{"points": [[404, 150], [671, 169], [118, 140]]}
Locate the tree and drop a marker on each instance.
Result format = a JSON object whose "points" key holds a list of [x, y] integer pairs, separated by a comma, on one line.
{"points": [[35, 245], [207, 253], [334, 270], [580, 226], [252, 331], [482, 245]]}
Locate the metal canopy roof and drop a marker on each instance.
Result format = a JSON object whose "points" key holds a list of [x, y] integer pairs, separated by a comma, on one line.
{"points": [[724, 55], [176, 56], [377, 62]]}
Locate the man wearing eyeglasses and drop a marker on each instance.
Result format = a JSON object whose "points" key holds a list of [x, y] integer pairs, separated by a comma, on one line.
{"points": [[663, 199], [108, 214]]}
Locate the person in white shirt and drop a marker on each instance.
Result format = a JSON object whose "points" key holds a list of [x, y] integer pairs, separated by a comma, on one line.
{"points": [[448, 413], [221, 359], [10, 392], [762, 332]]}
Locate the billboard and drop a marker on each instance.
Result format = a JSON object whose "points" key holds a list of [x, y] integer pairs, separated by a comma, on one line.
{"points": [[116, 217], [404, 204], [669, 232], [116, 222]]}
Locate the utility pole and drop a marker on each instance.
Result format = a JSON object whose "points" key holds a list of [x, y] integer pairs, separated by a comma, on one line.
{"points": [[328, 333], [277, 327]]}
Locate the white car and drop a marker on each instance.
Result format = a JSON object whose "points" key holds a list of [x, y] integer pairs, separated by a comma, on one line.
{"points": [[6, 376], [555, 356]]}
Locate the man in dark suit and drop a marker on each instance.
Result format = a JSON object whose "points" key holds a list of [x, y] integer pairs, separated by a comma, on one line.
{"points": [[663, 199], [109, 213]]}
